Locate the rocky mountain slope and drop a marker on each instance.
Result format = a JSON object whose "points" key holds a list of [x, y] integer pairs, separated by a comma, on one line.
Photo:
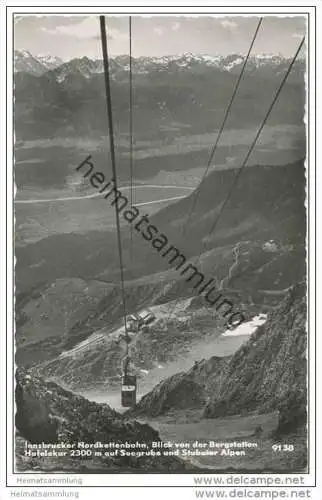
{"points": [[47, 413], [185, 390], [267, 373]]}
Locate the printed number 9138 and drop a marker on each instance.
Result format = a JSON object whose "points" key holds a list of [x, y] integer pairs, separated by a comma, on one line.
{"points": [[283, 447]]}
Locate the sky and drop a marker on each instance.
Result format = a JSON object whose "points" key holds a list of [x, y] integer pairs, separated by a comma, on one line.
{"points": [[77, 36]]}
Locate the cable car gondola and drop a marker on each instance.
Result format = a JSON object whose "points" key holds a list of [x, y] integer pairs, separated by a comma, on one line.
{"points": [[129, 385], [128, 394]]}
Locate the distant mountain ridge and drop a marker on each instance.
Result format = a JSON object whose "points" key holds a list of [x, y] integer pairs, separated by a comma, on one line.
{"points": [[40, 64]]}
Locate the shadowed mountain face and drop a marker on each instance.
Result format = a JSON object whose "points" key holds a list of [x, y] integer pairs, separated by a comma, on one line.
{"points": [[267, 373]]}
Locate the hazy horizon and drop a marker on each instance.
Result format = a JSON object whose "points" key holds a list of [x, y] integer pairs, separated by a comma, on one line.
{"points": [[69, 37]]}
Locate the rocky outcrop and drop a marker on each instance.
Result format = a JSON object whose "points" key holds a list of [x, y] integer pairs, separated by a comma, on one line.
{"points": [[33, 417], [269, 371], [183, 390]]}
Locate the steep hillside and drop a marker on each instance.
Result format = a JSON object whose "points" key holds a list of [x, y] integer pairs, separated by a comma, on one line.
{"points": [[266, 201], [47, 413], [57, 317], [267, 373], [57, 307]]}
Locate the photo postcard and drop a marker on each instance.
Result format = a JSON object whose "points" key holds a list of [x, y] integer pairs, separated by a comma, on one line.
{"points": [[161, 208]]}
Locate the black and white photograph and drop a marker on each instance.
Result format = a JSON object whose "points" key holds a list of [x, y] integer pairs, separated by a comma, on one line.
{"points": [[161, 244]]}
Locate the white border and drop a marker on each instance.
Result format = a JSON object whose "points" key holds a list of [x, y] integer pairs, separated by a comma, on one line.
{"points": [[151, 479]]}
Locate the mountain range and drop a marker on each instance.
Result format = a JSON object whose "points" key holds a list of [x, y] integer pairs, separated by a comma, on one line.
{"points": [[66, 100], [39, 64]]}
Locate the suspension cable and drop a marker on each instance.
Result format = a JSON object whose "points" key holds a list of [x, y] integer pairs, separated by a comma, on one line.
{"points": [[256, 136], [131, 132], [241, 168], [214, 149], [112, 152], [196, 193]]}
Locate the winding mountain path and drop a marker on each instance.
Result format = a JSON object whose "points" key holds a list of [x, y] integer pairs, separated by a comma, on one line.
{"points": [[236, 253]]}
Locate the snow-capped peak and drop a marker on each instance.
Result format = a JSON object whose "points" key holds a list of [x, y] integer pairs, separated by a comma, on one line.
{"points": [[47, 58], [25, 61], [23, 53]]}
